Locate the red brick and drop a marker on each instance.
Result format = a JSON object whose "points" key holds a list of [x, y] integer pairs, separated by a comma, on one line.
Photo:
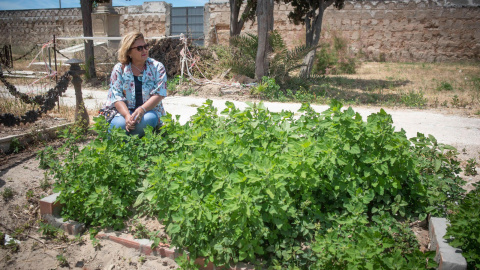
{"points": [[125, 242]]}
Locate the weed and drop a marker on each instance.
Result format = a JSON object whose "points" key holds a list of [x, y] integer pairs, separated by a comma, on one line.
{"points": [[49, 231], [12, 245], [8, 193], [189, 91], [45, 184], [16, 146], [477, 112], [141, 259], [414, 99], [30, 194], [455, 101], [443, 85], [173, 83], [62, 261], [470, 168]]}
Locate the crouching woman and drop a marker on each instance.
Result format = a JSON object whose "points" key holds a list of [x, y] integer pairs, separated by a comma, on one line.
{"points": [[137, 86]]}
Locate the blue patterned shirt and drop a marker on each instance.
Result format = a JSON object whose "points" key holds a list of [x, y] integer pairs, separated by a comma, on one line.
{"points": [[122, 85]]}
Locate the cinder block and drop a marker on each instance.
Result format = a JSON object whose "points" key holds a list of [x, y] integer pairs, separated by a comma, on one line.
{"points": [[447, 257]]}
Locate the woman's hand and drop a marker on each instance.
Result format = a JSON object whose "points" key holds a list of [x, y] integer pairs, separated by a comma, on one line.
{"points": [[138, 114], [130, 122]]}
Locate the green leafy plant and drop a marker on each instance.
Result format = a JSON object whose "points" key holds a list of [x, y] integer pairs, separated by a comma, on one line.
{"points": [[258, 186], [386, 244], [252, 185], [464, 228], [114, 162], [471, 167]]}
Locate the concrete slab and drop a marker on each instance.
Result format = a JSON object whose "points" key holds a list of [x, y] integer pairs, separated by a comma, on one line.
{"points": [[447, 257]]}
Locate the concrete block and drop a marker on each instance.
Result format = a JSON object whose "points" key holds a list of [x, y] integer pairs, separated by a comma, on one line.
{"points": [[48, 206], [447, 257]]}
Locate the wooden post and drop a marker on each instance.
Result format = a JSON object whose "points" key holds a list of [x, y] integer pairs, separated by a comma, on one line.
{"points": [[81, 115]]}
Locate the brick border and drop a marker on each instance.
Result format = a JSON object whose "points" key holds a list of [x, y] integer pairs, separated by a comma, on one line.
{"points": [[447, 257], [50, 211]]}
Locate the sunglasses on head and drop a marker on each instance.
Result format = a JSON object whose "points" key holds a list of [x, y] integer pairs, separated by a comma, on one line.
{"points": [[140, 48]]}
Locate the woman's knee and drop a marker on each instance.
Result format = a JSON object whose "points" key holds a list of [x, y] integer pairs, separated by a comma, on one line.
{"points": [[118, 122], [151, 118]]}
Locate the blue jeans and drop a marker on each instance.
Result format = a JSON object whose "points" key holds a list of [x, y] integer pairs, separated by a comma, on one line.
{"points": [[150, 118]]}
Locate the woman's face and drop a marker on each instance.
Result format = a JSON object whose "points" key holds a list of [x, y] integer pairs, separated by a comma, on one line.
{"points": [[135, 54]]}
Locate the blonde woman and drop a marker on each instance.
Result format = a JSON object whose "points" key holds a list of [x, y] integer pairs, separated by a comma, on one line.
{"points": [[137, 86]]}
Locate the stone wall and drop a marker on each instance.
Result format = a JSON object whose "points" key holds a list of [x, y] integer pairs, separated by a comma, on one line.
{"points": [[151, 18], [403, 30], [37, 26]]}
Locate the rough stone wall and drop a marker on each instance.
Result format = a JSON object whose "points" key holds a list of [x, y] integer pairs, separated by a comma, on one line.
{"points": [[28, 27], [217, 27], [151, 18], [37, 26], [403, 30]]}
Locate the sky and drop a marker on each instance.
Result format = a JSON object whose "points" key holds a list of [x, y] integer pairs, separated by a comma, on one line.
{"points": [[40, 4]]}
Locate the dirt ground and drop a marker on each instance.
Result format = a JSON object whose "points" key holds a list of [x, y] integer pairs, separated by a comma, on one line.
{"points": [[19, 215]]}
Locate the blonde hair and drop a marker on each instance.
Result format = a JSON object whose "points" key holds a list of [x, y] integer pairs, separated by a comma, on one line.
{"points": [[125, 46]]}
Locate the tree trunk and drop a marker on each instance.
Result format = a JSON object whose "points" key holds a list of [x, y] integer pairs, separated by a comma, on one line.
{"points": [[86, 6], [235, 24], [313, 30], [265, 24]]}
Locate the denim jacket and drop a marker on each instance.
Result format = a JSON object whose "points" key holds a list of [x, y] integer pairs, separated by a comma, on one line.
{"points": [[122, 85]]}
